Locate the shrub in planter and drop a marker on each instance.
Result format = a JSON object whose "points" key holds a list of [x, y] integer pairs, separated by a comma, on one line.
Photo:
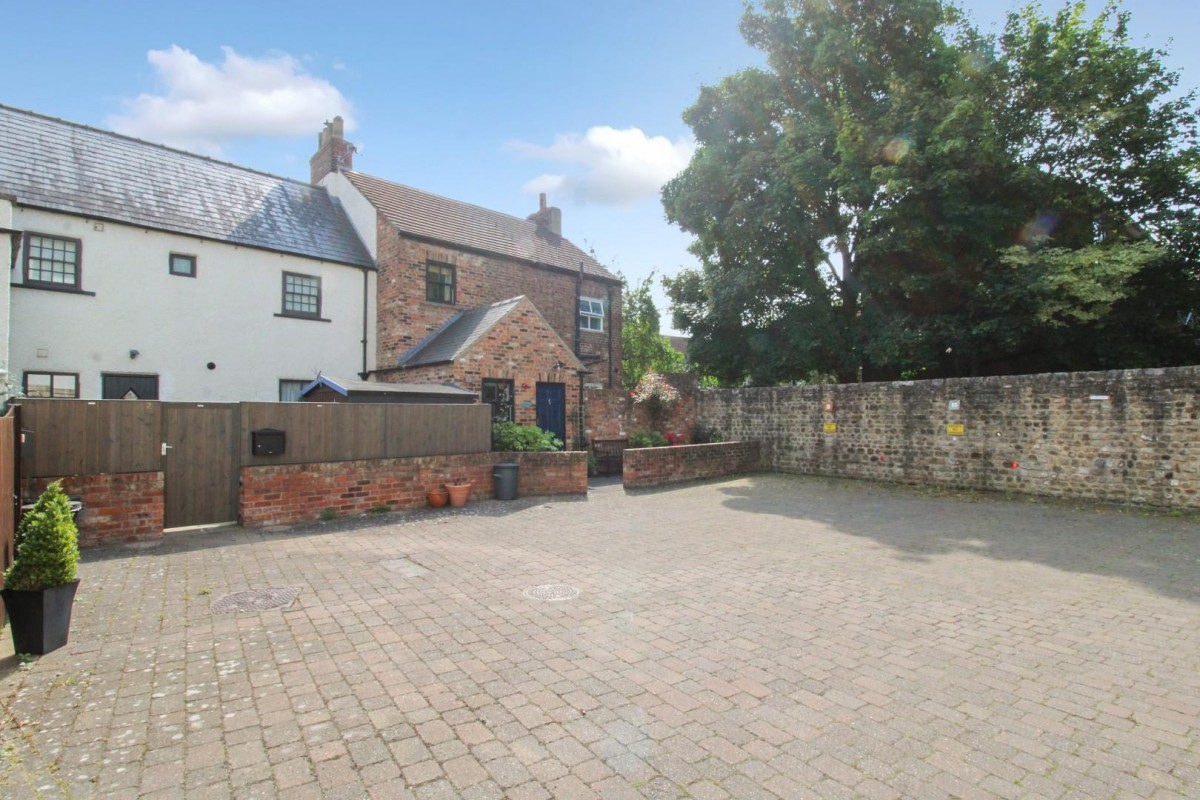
{"points": [[511, 437], [39, 587], [652, 439]]}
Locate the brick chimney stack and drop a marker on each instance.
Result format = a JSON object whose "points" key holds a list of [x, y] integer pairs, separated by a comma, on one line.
{"points": [[547, 218], [334, 153]]}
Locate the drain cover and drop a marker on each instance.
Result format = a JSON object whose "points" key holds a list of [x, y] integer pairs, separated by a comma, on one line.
{"points": [[552, 592], [404, 567], [254, 600]]}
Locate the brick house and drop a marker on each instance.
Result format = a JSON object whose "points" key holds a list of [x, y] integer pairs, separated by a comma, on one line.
{"points": [[499, 305]]}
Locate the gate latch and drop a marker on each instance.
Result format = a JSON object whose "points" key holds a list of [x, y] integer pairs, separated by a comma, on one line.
{"points": [[165, 448]]}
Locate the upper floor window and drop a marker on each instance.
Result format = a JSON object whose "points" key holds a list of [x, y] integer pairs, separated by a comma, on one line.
{"points": [[183, 265], [439, 283], [301, 295], [51, 384], [52, 261], [591, 314]]}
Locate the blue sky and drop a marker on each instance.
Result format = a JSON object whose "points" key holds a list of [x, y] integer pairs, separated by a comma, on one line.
{"points": [[480, 101]]}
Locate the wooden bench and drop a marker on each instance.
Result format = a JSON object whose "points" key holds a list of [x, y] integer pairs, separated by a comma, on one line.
{"points": [[610, 455]]}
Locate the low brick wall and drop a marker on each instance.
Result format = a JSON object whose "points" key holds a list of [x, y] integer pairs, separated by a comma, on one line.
{"points": [[1127, 436], [655, 466], [125, 507], [301, 492]]}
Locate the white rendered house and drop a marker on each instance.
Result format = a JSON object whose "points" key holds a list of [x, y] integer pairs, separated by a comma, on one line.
{"points": [[140, 271]]}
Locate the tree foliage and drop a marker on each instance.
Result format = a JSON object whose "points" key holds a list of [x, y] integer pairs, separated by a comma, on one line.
{"points": [[643, 348], [898, 194], [46, 543]]}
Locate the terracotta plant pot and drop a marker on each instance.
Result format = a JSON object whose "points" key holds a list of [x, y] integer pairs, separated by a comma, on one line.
{"points": [[437, 497], [459, 492]]}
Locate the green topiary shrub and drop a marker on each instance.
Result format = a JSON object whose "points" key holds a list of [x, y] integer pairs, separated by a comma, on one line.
{"points": [[509, 436], [47, 544]]}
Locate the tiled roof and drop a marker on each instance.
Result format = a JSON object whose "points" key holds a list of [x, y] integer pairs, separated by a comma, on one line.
{"points": [[62, 166], [344, 388], [430, 216], [457, 334]]}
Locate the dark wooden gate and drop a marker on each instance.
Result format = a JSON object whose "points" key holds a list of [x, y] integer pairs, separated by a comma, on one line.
{"points": [[200, 463], [10, 433]]}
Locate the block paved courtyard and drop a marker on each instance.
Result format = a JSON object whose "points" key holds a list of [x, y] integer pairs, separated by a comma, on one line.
{"points": [[764, 637]]}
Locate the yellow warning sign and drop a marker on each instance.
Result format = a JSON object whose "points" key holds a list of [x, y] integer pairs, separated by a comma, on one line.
{"points": [[831, 427], [955, 429]]}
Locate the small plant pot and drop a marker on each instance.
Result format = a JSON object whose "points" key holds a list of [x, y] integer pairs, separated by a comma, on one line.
{"points": [[437, 497], [40, 619], [459, 492]]}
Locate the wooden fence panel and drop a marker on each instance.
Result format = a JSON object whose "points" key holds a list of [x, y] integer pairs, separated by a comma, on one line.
{"points": [[88, 437], [357, 431]]}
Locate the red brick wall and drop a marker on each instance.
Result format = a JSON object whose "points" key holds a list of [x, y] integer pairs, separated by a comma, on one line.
{"points": [[521, 348], [611, 414], [123, 507], [655, 466], [300, 492], [405, 316]]}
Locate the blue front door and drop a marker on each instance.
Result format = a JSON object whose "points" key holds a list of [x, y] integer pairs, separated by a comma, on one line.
{"points": [[552, 408]]}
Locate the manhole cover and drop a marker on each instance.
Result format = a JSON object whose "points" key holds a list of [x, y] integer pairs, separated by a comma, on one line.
{"points": [[254, 600], [552, 592]]}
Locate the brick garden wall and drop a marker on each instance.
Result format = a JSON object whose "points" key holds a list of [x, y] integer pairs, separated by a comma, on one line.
{"points": [[300, 492], [1125, 436], [611, 414], [656, 466], [125, 507]]}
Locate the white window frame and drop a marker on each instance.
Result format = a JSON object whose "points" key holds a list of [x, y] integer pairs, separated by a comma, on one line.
{"points": [[591, 314]]}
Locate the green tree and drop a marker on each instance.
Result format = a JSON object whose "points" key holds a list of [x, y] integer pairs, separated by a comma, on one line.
{"points": [[643, 348], [900, 194]]}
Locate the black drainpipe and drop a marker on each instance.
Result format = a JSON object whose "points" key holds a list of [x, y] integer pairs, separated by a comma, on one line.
{"points": [[578, 297], [608, 327], [364, 374]]}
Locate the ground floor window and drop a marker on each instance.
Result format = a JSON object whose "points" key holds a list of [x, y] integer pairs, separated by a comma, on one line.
{"points": [[118, 386], [499, 395], [289, 389], [51, 384]]}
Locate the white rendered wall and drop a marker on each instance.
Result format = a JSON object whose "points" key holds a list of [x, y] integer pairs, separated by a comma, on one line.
{"points": [[225, 315], [362, 214]]}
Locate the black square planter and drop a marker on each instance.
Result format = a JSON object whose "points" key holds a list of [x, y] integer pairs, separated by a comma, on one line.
{"points": [[40, 619]]}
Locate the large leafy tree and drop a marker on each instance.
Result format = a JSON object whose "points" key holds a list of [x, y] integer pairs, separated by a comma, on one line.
{"points": [[897, 194], [643, 348]]}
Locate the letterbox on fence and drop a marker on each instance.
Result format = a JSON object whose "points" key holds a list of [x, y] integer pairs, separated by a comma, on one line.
{"points": [[268, 442]]}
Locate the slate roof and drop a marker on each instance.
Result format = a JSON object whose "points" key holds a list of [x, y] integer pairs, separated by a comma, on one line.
{"points": [[431, 216], [63, 166], [457, 334], [344, 388]]}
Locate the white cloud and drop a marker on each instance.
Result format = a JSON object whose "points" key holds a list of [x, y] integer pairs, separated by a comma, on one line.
{"points": [[205, 104], [615, 167]]}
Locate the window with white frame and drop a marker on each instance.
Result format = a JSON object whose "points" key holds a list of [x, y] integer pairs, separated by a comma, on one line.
{"points": [[301, 295], [52, 261], [591, 314]]}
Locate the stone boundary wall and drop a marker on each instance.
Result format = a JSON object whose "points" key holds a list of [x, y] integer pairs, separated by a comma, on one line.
{"points": [[288, 494], [655, 466], [117, 508], [1130, 436]]}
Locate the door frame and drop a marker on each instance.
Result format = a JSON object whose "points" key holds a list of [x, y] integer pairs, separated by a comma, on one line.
{"points": [[561, 432]]}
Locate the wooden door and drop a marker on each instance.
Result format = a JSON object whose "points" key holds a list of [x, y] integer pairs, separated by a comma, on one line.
{"points": [[200, 463], [552, 408]]}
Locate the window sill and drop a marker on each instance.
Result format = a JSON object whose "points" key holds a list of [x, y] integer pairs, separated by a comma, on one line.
{"points": [[52, 288], [304, 317]]}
